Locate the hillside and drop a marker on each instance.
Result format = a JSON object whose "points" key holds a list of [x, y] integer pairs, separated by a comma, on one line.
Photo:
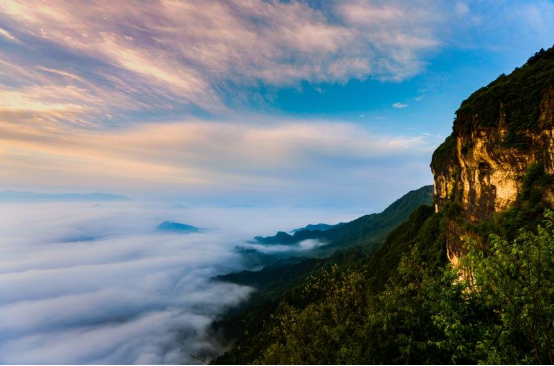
{"points": [[349, 243], [252, 327], [367, 231]]}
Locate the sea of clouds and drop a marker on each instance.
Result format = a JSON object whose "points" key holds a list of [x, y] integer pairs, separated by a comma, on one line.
{"points": [[97, 284]]}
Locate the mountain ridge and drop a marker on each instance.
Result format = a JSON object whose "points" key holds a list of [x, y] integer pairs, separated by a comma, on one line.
{"points": [[368, 230]]}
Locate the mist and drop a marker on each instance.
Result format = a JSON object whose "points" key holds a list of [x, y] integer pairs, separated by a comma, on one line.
{"points": [[82, 283]]}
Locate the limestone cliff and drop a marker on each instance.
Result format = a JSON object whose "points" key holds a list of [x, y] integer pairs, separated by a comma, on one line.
{"points": [[499, 132]]}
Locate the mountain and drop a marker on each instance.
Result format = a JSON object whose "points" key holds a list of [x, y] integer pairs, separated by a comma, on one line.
{"points": [[283, 238], [369, 230], [18, 196], [468, 282], [176, 227], [499, 159], [276, 276], [314, 227]]}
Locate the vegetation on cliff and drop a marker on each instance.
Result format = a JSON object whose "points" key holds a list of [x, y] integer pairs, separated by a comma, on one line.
{"points": [[512, 102], [514, 98]]}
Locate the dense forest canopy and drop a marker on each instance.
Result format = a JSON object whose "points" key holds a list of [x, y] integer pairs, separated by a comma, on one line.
{"points": [[427, 312]]}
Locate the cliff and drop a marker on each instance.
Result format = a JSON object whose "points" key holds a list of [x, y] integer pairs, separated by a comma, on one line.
{"points": [[502, 142]]}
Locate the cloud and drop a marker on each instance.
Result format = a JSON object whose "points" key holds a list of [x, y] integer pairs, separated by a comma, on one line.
{"points": [[483, 26], [401, 31], [180, 54], [536, 16], [128, 295], [198, 155], [285, 249], [112, 96], [399, 105], [462, 9], [119, 299], [7, 35]]}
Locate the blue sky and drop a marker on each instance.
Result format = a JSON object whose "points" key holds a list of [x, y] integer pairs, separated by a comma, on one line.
{"points": [[311, 103]]}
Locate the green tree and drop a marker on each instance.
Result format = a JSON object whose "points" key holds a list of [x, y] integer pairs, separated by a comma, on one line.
{"points": [[517, 279], [324, 331]]}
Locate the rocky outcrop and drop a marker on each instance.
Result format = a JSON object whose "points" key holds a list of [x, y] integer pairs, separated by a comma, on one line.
{"points": [[499, 132], [483, 176]]}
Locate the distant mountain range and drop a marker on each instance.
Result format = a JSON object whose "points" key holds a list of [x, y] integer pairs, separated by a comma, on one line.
{"points": [[19, 196], [369, 230]]}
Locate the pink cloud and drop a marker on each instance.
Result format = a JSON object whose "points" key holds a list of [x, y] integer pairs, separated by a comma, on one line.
{"points": [[179, 51], [192, 154], [84, 70]]}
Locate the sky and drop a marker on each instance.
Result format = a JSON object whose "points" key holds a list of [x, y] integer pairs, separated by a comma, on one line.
{"points": [[246, 102]]}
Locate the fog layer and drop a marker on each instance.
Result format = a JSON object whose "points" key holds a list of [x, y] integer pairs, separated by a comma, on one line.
{"points": [[85, 283]]}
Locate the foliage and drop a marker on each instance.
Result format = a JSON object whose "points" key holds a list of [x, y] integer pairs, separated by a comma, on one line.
{"points": [[534, 182], [444, 153], [517, 97], [516, 279], [422, 227], [323, 331], [512, 100], [278, 286], [497, 306], [357, 326]]}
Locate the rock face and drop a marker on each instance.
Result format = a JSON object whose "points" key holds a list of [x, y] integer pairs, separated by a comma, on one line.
{"points": [[499, 133]]}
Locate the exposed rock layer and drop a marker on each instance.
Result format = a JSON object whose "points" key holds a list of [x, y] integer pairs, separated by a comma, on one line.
{"points": [[478, 168]]}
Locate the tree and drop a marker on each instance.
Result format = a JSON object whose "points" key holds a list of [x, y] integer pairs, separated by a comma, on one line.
{"points": [[517, 280]]}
